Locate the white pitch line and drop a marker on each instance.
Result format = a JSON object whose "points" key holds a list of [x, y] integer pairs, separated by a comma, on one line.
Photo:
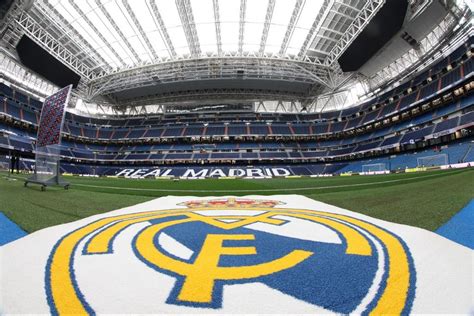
{"points": [[256, 190]]}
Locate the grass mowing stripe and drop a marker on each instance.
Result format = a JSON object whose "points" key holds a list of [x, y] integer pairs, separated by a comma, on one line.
{"points": [[424, 200], [266, 190]]}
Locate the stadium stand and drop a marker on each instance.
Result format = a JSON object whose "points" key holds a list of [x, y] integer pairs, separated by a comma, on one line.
{"points": [[338, 136], [435, 107]]}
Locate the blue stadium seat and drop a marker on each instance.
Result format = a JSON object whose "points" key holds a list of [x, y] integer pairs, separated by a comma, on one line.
{"points": [[178, 156], [153, 133], [421, 77], [137, 156], [215, 131], [258, 129], [429, 89], [403, 87], [391, 140], [74, 130], [468, 66], [181, 147], [368, 146], [442, 64], [408, 100], [21, 143], [201, 156], [225, 156], [424, 118], [36, 104], [295, 154], [337, 127], [249, 155], [119, 133], [458, 53], [467, 118], [273, 155], [451, 77], [29, 116], [249, 145], [314, 154], [89, 132], [320, 128], [194, 131], [157, 157], [370, 117], [21, 97], [342, 151], [226, 146], [301, 129], [280, 129], [6, 90], [173, 132], [136, 133], [447, 124], [388, 109], [350, 111], [447, 109], [104, 133], [13, 109], [353, 123], [416, 135], [271, 145], [83, 154], [237, 130]]}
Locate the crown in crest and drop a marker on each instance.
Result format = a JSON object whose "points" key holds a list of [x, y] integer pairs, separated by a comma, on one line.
{"points": [[231, 202]]}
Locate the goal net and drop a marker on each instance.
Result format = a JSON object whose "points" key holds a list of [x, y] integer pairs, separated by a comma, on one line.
{"points": [[375, 167], [432, 161], [4, 165]]}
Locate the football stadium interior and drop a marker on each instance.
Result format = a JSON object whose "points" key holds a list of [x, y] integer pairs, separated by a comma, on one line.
{"points": [[366, 105]]}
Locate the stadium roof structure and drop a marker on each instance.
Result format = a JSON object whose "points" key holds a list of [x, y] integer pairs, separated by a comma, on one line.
{"points": [[149, 52]]}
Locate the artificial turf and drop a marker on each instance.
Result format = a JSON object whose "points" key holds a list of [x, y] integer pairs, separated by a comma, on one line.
{"points": [[425, 199]]}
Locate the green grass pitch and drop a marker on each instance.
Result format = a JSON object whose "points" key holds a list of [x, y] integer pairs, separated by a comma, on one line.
{"points": [[425, 199]]}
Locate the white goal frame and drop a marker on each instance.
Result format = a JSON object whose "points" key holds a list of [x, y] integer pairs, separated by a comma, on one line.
{"points": [[4, 165], [433, 160], [374, 167]]}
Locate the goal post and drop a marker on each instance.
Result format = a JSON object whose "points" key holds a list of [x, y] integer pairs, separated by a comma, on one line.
{"points": [[4, 165], [432, 161], [5, 161], [375, 167]]}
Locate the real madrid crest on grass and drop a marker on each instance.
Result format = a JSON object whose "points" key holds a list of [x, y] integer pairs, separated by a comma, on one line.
{"points": [[233, 255], [231, 241]]}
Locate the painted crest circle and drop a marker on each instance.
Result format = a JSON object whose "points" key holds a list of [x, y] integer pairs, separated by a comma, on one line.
{"points": [[332, 261]]}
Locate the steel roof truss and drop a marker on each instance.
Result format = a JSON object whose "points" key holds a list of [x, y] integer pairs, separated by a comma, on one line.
{"points": [[266, 25], [47, 10], [243, 5], [217, 21], [117, 30], [140, 29], [363, 18], [291, 26], [187, 20], [162, 27], [43, 38], [94, 28], [323, 12]]}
